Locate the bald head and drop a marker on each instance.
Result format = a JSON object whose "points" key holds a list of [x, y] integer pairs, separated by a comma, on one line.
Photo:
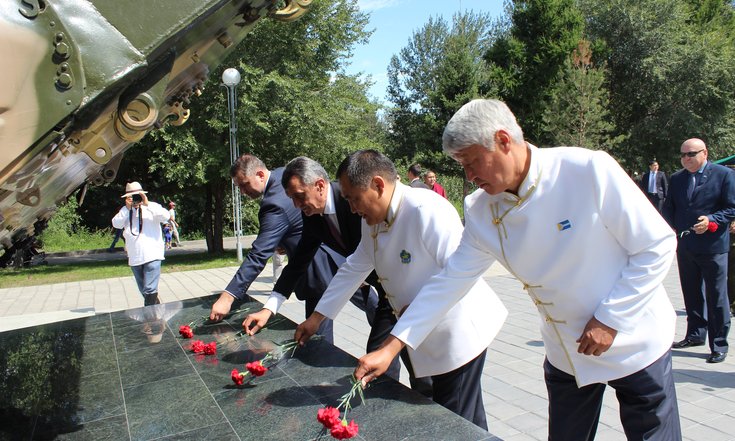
{"points": [[693, 154]]}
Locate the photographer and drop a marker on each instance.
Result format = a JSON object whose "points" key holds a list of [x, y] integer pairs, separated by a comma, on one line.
{"points": [[141, 222]]}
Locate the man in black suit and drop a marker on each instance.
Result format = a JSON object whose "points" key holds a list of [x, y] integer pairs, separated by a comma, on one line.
{"points": [[414, 177], [700, 194], [280, 226], [654, 185], [328, 220]]}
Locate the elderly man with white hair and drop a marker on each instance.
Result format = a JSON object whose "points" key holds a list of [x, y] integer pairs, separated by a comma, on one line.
{"points": [[591, 252]]}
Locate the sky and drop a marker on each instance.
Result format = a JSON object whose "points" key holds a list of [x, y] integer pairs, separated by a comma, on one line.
{"points": [[394, 22]]}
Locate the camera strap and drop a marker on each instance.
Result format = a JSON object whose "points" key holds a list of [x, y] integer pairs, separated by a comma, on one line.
{"points": [[140, 220]]}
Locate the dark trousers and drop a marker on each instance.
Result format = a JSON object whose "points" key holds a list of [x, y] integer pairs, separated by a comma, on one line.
{"points": [[648, 408], [460, 391], [708, 312], [656, 201], [382, 325]]}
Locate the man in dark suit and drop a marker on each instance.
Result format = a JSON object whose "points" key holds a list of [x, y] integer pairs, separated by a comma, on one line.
{"points": [[414, 177], [328, 220], [654, 185], [700, 194], [280, 226]]}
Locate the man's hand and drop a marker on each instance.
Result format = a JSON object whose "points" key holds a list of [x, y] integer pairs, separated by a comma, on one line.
{"points": [[144, 199], [596, 338], [256, 321], [221, 307], [701, 226], [308, 328], [374, 364]]}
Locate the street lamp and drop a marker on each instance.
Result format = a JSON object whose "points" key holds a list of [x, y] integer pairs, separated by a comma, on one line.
{"points": [[230, 78]]}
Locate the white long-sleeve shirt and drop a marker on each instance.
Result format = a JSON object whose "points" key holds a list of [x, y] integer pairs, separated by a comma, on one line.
{"points": [[144, 245], [584, 241]]}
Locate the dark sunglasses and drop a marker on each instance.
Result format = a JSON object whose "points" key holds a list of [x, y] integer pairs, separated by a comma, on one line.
{"points": [[691, 154]]}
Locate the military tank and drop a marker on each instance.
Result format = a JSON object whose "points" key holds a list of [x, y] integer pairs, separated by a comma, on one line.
{"points": [[82, 80]]}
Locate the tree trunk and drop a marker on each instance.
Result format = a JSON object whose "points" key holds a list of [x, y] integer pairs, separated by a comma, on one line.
{"points": [[218, 191], [213, 210]]}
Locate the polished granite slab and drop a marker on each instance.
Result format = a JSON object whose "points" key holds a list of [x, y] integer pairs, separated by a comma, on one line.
{"points": [[129, 375]]}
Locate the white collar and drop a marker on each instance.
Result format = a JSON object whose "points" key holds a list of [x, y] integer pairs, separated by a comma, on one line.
{"points": [[330, 207]]}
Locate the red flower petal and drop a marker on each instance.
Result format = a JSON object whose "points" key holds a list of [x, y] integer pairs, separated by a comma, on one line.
{"points": [[210, 348], [344, 430], [197, 346], [186, 331], [712, 227], [328, 416], [237, 378], [256, 368]]}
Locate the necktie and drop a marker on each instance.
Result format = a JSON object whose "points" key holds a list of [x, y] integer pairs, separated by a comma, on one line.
{"points": [[332, 223], [690, 187], [652, 182]]}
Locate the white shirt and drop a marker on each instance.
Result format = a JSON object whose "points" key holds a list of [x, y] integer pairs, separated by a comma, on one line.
{"points": [[652, 182], [422, 231], [584, 242], [146, 245]]}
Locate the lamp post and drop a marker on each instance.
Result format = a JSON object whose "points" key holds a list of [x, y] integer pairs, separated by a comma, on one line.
{"points": [[230, 78]]}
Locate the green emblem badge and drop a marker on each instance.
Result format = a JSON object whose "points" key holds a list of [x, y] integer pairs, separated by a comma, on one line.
{"points": [[405, 256]]}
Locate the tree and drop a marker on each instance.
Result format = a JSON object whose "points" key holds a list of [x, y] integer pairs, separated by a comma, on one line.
{"points": [[671, 73], [292, 100], [525, 60], [439, 70], [576, 112]]}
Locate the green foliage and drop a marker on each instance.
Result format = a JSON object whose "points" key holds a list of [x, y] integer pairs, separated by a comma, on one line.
{"points": [[292, 100], [65, 231], [576, 112], [671, 74], [439, 70], [528, 57]]}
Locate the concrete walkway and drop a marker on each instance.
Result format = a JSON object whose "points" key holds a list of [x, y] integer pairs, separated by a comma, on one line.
{"points": [[514, 390]]}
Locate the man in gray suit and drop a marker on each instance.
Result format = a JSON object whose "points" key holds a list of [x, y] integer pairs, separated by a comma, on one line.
{"points": [[655, 185]]}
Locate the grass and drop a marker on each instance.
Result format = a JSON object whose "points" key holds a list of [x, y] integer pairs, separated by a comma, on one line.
{"points": [[76, 272]]}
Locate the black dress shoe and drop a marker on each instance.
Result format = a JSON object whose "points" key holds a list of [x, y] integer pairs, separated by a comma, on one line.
{"points": [[686, 343], [717, 357]]}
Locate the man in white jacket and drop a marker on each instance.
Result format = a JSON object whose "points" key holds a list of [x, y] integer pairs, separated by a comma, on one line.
{"points": [[591, 252], [407, 236], [141, 222]]}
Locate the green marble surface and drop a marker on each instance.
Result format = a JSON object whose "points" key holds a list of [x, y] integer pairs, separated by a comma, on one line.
{"points": [[130, 376]]}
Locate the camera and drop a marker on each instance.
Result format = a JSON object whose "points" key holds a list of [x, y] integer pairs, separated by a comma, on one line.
{"points": [[137, 198]]}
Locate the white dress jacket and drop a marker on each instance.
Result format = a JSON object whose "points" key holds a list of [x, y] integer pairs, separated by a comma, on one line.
{"points": [[584, 241], [422, 231]]}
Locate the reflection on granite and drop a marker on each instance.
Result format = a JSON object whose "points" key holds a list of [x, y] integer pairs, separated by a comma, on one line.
{"points": [[129, 375]]}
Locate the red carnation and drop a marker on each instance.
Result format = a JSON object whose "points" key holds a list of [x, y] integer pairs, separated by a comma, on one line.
{"points": [[712, 227], [256, 368], [237, 377], [210, 348], [344, 430], [328, 416], [197, 346], [185, 331]]}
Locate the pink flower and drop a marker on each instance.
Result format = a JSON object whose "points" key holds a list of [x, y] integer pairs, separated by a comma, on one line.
{"points": [[712, 227], [328, 416], [256, 368], [238, 377], [197, 346], [344, 430], [185, 331], [210, 348]]}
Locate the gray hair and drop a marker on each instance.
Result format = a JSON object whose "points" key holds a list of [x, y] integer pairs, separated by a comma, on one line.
{"points": [[247, 164], [360, 167], [476, 123], [306, 169]]}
